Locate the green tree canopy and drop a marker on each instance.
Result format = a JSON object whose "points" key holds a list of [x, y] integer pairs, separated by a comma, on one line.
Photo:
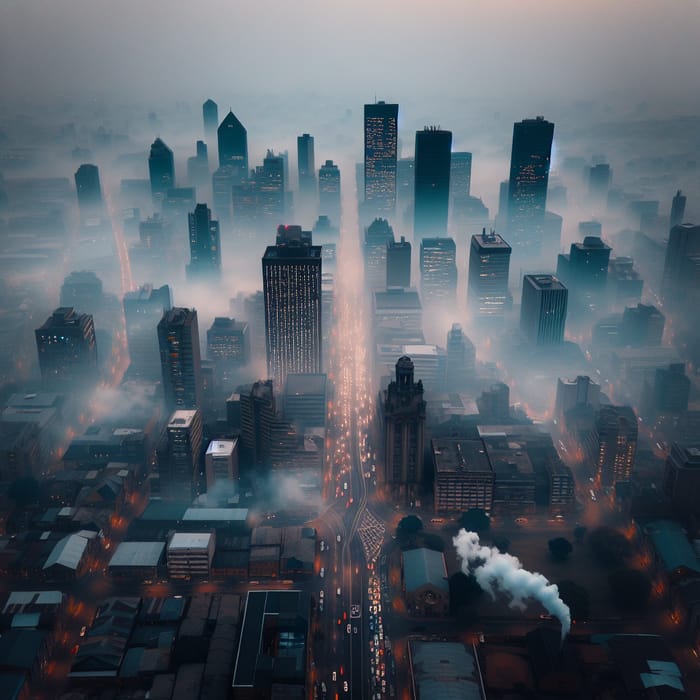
{"points": [[560, 548], [475, 520]]}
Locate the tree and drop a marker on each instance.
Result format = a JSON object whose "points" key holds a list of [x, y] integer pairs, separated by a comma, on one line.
{"points": [[408, 527], [502, 544], [475, 520], [580, 533], [464, 590], [577, 598], [608, 545], [630, 589], [23, 491], [560, 548]]}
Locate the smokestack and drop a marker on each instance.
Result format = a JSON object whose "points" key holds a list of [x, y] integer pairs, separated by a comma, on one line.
{"points": [[495, 571]]}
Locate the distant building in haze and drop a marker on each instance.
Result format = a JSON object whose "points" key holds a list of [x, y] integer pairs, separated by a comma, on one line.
{"points": [[527, 184], [306, 165], [403, 417], [575, 394], [543, 309], [680, 285], [677, 210], [292, 291], [487, 286], [205, 245], [681, 483], [461, 359], [180, 361], [67, 350], [398, 263], [438, 269], [87, 185], [210, 115], [233, 146], [161, 170], [198, 166], [143, 310], [228, 345], [432, 182], [329, 191], [613, 443], [381, 141], [599, 179], [82, 290], [377, 236], [460, 174], [667, 392], [585, 269]]}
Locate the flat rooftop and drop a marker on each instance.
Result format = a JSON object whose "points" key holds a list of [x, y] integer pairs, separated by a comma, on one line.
{"points": [[181, 419], [137, 554], [397, 298], [221, 448], [453, 455], [306, 384], [190, 540]]}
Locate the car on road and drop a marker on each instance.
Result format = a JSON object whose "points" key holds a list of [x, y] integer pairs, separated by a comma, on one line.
{"points": [[345, 686], [337, 538], [521, 521], [335, 676], [322, 572], [337, 591], [348, 629]]}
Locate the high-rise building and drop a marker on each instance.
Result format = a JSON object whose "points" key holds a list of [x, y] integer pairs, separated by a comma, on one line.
{"points": [[527, 184], [292, 291], [599, 179], [398, 263], [613, 443], [438, 270], [682, 478], [677, 209], [667, 393], [180, 361], [377, 236], [575, 394], [205, 245], [642, 325], [87, 185], [306, 168], [82, 290], [67, 350], [543, 309], [228, 344], [221, 464], [210, 115], [182, 470], [198, 166], [431, 182], [258, 414], [460, 175], [403, 416], [381, 141], [143, 310], [585, 269], [305, 400], [161, 170], [681, 279], [233, 146], [461, 359], [489, 265], [329, 191]]}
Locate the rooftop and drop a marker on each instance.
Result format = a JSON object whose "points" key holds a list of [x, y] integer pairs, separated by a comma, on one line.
{"points": [[445, 671], [137, 554], [423, 567], [221, 448], [190, 540], [182, 419], [306, 384], [672, 545], [67, 552], [397, 298], [454, 455]]}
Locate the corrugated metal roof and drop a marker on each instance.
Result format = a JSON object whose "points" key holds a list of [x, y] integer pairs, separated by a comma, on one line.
{"points": [[137, 554], [672, 545], [424, 566], [68, 552]]}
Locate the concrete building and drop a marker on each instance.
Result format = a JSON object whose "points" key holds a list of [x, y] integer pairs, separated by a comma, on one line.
{"points": [[543, 310], [487, 284], [184, 432], [305, 400], [221, 463], [681, 483], [190, 554], [424, 582], [137, 560]]}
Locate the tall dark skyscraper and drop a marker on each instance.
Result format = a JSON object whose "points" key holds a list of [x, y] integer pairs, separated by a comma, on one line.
{"points": [[292, 291], [460, 174], [614, 443], [489, 264], [143, 310], [180, 361], [527, 186], [432, 182], [585, 269], [677, 209], [599, 178], [398, 263], [161, 170], [198, 166], [210, 114], [233, 146], [403, 417], [461, 359], [381, 141], [87, 185], [329, 191], [681, 278], [377, 236], [438, 270], [205, 244], [543, 309], [67, 350], [306, 165]]}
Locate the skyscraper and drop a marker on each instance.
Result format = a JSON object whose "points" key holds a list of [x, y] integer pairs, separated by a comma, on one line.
{"points": [[143, 310], [460, 174], [599, 177], [438, 270], [677, 209], [527, 186], [403, 417], [233, 146], [292, 291], [87, 185], [161, 169], [181, 472], [180, 361], [377, 236], [198, 166], [461, 359], [432, 182], [681, 278], [381, 140], [398, 263], [329, 191], [585, 269], [489, 264], [306, 167], [228, 345], [210, 114], [682, 478], [67, 350], [543, 309], [205, 244], [614, 443]]}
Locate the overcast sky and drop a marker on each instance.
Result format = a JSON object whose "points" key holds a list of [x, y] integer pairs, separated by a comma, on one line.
{"points": [[399, 49]]}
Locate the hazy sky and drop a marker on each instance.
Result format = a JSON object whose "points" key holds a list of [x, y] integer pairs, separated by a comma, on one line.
{"points": [[398, 49]]}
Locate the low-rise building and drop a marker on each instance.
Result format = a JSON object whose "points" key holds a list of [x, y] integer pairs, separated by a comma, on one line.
{"points": [[190, 554], [425, 584]]}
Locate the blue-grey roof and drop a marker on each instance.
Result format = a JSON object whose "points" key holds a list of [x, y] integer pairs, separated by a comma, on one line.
{"points": [[422, 567], [138, 554], [68, 552], [672, 545], [445, 671]]}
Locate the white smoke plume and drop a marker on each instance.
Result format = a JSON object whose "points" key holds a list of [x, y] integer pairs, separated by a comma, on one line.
{"points": [[496, 571]]}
